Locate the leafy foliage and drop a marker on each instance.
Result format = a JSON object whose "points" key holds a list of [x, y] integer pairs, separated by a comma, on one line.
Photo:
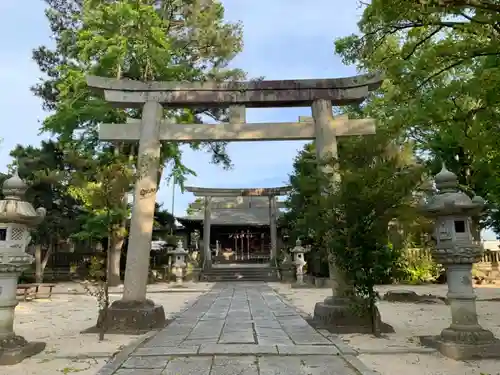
{"points": [[140, 40], [440, 59], [349, 216], [376, 186], [102, 196], [47, 171]]}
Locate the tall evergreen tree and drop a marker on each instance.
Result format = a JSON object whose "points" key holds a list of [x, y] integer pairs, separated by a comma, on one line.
{"points": [[154, 40]]}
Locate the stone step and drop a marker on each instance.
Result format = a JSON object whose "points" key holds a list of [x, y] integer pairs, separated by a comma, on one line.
{"points": [[240, 274]]}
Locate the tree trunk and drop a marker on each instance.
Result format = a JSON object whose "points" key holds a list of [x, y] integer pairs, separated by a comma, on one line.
{"points": [[40, 263], [476, 229], [114, 255]]}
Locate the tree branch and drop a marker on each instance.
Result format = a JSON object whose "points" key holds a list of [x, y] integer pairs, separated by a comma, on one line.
{"points": [[421, 42]]}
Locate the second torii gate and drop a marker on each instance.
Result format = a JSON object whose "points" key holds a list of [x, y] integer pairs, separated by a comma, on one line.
{"points": [[208, 193]]}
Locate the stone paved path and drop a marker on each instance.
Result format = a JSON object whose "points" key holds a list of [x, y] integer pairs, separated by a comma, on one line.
{"points": [[236, 329]]}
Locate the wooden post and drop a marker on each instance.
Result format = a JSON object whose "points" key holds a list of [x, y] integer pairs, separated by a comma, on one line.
{"points": [[248, 244], [242, 243], [236, 245], [206, 233], [272, 225]]}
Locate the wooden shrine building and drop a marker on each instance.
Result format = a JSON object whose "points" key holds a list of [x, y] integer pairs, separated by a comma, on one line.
{"points": [[239, 224]]}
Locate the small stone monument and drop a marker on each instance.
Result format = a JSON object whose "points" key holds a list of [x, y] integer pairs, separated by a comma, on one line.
{"points": [[298, 259], [287, 267], [16, 217], [457, 252], [179, 262]]}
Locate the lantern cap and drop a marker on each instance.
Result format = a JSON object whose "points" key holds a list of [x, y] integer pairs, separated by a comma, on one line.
{"points": [[298, 247], [446, 179], [179, 250], [14, 187], [450, 200], [13, 208]]}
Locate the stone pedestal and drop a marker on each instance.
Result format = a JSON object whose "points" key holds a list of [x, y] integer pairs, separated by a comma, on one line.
{"points": [[287, 273], [464, 339], [13, 348], [131, 317], [179, 273], [463, 351]]}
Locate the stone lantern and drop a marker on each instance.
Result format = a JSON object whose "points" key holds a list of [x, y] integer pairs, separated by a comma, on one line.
{"points": [[456, 250], [179, 262], [298, 259], [16, 218]]}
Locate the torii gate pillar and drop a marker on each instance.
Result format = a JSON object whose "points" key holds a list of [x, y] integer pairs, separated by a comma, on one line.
{"points": [[335, 312]]}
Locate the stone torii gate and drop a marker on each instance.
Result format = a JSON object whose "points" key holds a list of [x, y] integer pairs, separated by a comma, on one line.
{"points": [[134, 311], [208, 193]]}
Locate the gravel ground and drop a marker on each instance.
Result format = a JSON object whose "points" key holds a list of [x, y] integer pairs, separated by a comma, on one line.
{"points": [[409, 321]]}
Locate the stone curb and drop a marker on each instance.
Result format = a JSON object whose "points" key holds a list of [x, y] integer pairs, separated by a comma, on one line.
{"points": [[112, 366], [398, 351], [358, 366], [149, 292], [343, 348], [79, 356]]}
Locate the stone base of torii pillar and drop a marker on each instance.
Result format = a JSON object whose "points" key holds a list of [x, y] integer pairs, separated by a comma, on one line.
{"points": [[341, 313], [131, 317]]}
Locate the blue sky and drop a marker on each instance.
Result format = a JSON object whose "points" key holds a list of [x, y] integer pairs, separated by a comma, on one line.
{"points": [[284, 39]]}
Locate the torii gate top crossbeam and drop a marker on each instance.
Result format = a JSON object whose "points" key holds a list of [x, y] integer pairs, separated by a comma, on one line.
{"points": [[258, 94], [255, 192]]}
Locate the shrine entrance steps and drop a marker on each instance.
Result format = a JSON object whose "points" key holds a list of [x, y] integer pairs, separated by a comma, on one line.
{"points": [[240, 272]]}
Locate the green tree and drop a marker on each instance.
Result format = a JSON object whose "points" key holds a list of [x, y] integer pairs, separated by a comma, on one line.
{"points": [[441, 63], [141, 40], [164, 221], [349, 219], [46, 169], [101, 196], [192, 207], [377, 185]]}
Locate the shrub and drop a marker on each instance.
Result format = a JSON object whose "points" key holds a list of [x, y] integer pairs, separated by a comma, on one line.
{"points": [[419, 268]]}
